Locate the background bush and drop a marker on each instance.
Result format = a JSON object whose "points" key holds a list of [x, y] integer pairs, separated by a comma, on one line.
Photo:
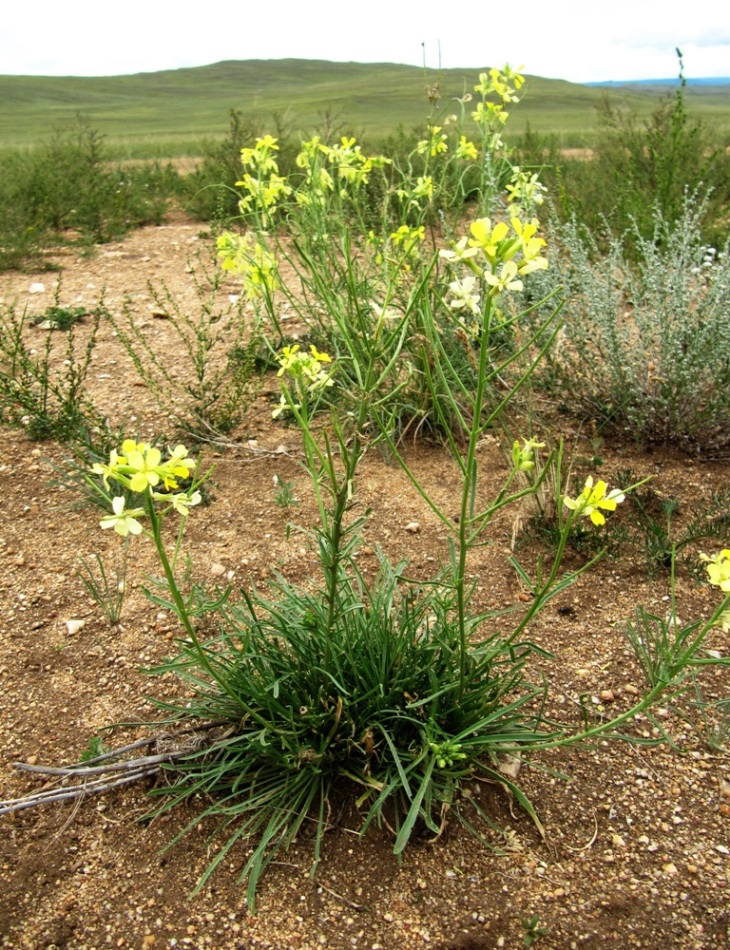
{"points": [[69, 185], [646, 345], [637, 167]]}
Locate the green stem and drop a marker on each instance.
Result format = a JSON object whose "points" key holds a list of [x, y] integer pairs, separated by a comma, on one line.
{"points": [[468, 491], [342, 494], [682, 661], [178, 599]]}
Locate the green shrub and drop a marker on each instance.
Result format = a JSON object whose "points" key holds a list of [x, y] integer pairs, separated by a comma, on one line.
{"points": [[638, 168], [68, 189], [210, 192], [645, 346], [214, 381], [40, 389]]}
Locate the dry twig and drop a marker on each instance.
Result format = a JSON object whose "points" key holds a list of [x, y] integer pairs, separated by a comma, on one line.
{"points": [[94, 778]]}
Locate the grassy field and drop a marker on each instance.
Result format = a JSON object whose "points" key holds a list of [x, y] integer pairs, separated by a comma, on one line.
{"points": [[166, 114]]}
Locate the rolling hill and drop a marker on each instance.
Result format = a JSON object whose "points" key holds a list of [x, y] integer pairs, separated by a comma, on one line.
{"points": [[169, 112]]}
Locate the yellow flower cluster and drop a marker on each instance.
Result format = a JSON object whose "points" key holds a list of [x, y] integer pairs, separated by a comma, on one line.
{"points": [[524, 192], [408, 237], [306, 369], [342, 167], [264, 193], [434, 146], [139, 467], [244, 255], [266, 188], [261, 156], [301, 365], [466, 149], [503, 84], [352, 166], [498, 254]]}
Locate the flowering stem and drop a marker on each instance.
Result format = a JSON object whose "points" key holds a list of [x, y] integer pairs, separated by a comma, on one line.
{"points": [[673, 674], [178, 600], [342, 494], [468, 492]]}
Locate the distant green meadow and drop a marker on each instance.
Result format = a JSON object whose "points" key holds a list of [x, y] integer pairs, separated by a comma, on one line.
{"points": [[168, 114]]}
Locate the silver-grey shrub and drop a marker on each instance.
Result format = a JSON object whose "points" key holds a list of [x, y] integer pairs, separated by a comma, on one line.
{"points": [[645, 346]]}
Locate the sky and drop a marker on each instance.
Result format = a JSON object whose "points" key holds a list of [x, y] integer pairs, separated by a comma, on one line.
{"points": [[577, 40]]}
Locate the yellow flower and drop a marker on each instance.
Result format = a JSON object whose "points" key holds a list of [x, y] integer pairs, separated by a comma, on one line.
{"points": [[507, 279], [498, 82], [439, 142], [410, 237], [459, 252], [182, 502], [282, 407], [523, 458], [310, 152], [260, 155], [490, 114], [179, 465], [466, 149], [265, 192], [436, 144], [718, 569], [140, 466], [593, 499], [525, 190], [306, 367], [486, 237], [107, 471], [319, 357], [123, 522], [242, 254], [288, 359], [423, 188], [466, 296]]}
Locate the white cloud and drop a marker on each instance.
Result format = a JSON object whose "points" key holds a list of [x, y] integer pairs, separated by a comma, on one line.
{"points": [[568, 39]]}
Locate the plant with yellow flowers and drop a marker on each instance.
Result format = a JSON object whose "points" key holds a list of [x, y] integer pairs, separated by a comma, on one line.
{"points": [[398, 687], [351, 261]]}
